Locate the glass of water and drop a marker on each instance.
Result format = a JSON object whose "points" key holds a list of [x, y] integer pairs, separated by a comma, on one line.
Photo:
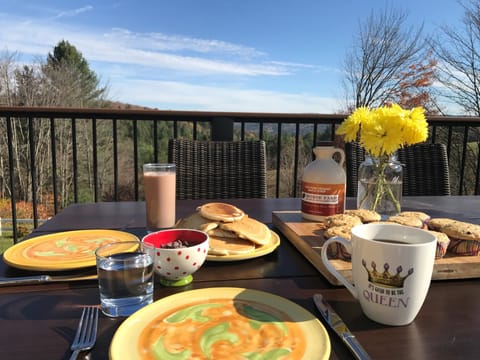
{"points": [[125, 277]]}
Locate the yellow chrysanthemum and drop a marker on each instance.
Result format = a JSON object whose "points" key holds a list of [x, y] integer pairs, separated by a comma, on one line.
{"points": [[351, 126], [384, 130], [416, 129]]}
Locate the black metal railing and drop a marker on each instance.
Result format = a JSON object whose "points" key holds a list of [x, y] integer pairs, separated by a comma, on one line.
{"points": [[55, 157]]}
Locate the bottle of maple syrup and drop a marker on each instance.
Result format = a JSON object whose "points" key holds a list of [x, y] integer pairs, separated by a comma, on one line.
{"points": [[323, 184]]}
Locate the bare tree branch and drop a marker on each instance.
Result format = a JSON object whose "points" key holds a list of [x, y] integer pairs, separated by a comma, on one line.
{"points": [[459, 60], [384, 50]]}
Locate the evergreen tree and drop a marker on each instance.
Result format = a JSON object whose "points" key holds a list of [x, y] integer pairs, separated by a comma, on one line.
{"points": [[71, 79]]}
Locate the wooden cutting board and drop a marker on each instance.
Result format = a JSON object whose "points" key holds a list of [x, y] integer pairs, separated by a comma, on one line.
{"points": [[307, 236]]}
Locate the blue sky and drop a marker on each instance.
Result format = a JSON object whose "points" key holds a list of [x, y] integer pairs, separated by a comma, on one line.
{"points": [[213, 55]]}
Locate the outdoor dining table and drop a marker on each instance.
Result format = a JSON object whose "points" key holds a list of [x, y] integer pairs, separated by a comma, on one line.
{"points": [[39, 321]]}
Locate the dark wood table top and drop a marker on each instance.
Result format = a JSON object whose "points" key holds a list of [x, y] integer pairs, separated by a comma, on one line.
{"points": [[39, 321]]}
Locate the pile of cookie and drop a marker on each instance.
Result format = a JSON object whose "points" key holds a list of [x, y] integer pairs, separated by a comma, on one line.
{"points": [[231, 231], [455, 237]]}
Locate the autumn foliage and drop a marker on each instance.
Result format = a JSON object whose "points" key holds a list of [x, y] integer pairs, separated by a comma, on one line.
{"points": [[415, 85], [24, 210]]}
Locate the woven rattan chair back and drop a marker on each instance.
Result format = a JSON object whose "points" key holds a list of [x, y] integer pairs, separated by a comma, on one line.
{"points": [[219, 169], [425, 171]]}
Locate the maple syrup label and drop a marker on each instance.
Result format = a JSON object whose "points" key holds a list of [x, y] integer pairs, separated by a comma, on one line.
{"points": [[323, 199]]}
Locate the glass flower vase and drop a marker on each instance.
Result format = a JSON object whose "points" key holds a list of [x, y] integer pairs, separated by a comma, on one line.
{"points": [[380, 184]]}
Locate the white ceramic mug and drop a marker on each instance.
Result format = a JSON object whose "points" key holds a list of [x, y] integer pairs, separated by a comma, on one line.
{"points": [[392, 268]]}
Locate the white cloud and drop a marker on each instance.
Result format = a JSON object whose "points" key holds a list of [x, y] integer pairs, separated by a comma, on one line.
{"points": [[167, 95], [139, 49], [185, 64], [167, 42], [74, 12]]}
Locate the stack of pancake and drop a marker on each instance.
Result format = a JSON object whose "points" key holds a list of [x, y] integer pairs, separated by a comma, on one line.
{"points": [[231, 231]]}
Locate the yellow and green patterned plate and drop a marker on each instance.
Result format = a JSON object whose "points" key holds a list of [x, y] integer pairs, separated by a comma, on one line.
{"points": [[67, 250], [221, 323]]}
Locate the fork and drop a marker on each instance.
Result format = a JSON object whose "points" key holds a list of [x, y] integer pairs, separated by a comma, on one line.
{"points": [[86, 331]]}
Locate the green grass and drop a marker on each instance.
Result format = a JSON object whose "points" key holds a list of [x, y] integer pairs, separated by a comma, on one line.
{"points": [[5, 241]]}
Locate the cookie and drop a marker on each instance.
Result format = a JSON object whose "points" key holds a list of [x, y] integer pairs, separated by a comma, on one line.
{"points": [[462, 230], [344, 231], [437, 224], [412, 221], [342, 220], [421, 215], [365, 215]]}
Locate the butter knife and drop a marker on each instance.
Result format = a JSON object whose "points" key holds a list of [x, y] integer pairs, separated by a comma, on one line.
{"points": [[336, 324], [40, 279]]}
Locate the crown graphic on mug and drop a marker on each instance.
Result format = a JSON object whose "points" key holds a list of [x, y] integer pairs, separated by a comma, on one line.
{"points": [[385, 278]]}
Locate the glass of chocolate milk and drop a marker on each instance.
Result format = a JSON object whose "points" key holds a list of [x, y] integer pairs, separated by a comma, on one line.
{"points": [[160, 192]]}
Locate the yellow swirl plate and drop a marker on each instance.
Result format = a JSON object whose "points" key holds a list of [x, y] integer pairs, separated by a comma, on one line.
{"points": [[221, 323], [259, 251], [62, 251]]}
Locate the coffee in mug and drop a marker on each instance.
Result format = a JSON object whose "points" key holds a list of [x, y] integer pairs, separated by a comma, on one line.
{"points": [[392, 268]]}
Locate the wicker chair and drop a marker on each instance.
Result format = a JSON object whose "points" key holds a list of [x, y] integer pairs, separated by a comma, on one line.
{"points": [[219, 169], [425, 169]]}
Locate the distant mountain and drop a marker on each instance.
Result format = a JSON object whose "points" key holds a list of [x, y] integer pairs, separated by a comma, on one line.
{"points": [[124, 106]]}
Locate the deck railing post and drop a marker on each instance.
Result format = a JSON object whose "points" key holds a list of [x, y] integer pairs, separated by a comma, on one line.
{"points": [[221, 129]]}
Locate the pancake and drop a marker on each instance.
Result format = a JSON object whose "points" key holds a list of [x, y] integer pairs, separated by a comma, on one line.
{"points": [[230, 230], [249, 229], [221, 233], [229, 246], [221, 212], [196, 221]]}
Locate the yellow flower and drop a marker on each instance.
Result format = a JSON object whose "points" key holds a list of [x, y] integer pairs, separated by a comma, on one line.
{"points": [[416, 130], [381, 132], [351, 126], [384, 130]]}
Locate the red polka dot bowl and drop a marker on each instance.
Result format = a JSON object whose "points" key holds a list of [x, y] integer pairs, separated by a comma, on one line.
{"points": [[178, 253]]}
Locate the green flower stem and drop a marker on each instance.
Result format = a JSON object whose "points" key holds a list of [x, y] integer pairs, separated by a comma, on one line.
{"points": [[393, 198], [365, 196], [380, 184], [381, 187]]}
